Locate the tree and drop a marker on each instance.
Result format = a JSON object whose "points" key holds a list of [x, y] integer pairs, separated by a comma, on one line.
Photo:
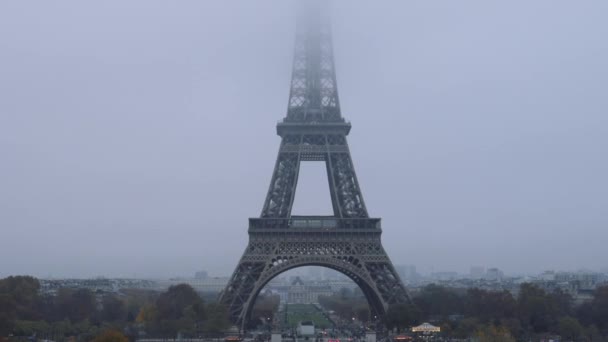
{"points": [[18, 300], [113, 309], [111, 336], [171, 304], [494, 334], [345, 293], [265, 307], [562, 302], [23, 289], [147, 314], [440, 301], [536, 309], [30, 328], [8, 314], [179, 310], [401, 316], [362, 313], [76, 305], [466, 328], [136, 299], [569, 328], [490, 306], [217, 320], [593, 334], [599, 307], [345, 303]]}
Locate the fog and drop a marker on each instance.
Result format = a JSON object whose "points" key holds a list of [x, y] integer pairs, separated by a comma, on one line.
{"points": [[137, 137]]}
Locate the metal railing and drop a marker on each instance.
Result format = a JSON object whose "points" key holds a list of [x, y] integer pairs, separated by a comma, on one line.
{"points": [[314, 222]]}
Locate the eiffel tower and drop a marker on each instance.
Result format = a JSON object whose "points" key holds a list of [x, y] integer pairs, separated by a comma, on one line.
{"points": [[314, 130]]}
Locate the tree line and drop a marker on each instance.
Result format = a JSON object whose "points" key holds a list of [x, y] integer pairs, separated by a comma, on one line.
{"points": [[531, 314], [264, 310], [82, 314], [347, 304], [461, 313]]}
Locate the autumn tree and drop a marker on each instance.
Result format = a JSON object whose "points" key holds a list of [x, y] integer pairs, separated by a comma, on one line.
{"points": [[494, 334], [180, 309], [111, 336], [19, 299]]}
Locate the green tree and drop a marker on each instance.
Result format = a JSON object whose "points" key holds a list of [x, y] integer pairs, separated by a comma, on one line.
{"points": [[18, 301], [30, 328], [217, 318], [171, 304], [179, 310], [439, 301], [569, 328], [536, 309]]}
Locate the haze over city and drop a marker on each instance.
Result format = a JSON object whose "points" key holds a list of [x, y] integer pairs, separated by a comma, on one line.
{"points": [[138, 137]]}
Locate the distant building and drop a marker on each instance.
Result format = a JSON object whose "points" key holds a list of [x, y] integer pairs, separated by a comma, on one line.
{"points": [[301, 293], [407, 273], [444, 276], [477, 272], [582, 280], [329, 274], [547, 276], [97, 285], [494, 274], [315, 273]]}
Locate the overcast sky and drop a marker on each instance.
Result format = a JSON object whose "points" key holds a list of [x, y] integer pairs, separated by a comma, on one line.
{"points": [[137, 137]]}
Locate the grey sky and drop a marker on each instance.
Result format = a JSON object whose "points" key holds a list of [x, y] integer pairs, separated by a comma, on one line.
{"points": [[137, 137]]}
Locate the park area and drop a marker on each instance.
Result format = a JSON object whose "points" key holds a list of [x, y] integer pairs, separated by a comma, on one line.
{"points": [[294, 313]]}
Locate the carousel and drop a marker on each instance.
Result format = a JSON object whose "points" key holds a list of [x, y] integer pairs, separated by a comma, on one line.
{"points": [[426, 330]]}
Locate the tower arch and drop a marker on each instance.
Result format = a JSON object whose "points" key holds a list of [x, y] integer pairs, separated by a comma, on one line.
{"points": [[374, 301]]}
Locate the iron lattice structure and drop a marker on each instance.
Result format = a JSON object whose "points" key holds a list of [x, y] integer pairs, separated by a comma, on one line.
{"points": [[348, 241]]}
